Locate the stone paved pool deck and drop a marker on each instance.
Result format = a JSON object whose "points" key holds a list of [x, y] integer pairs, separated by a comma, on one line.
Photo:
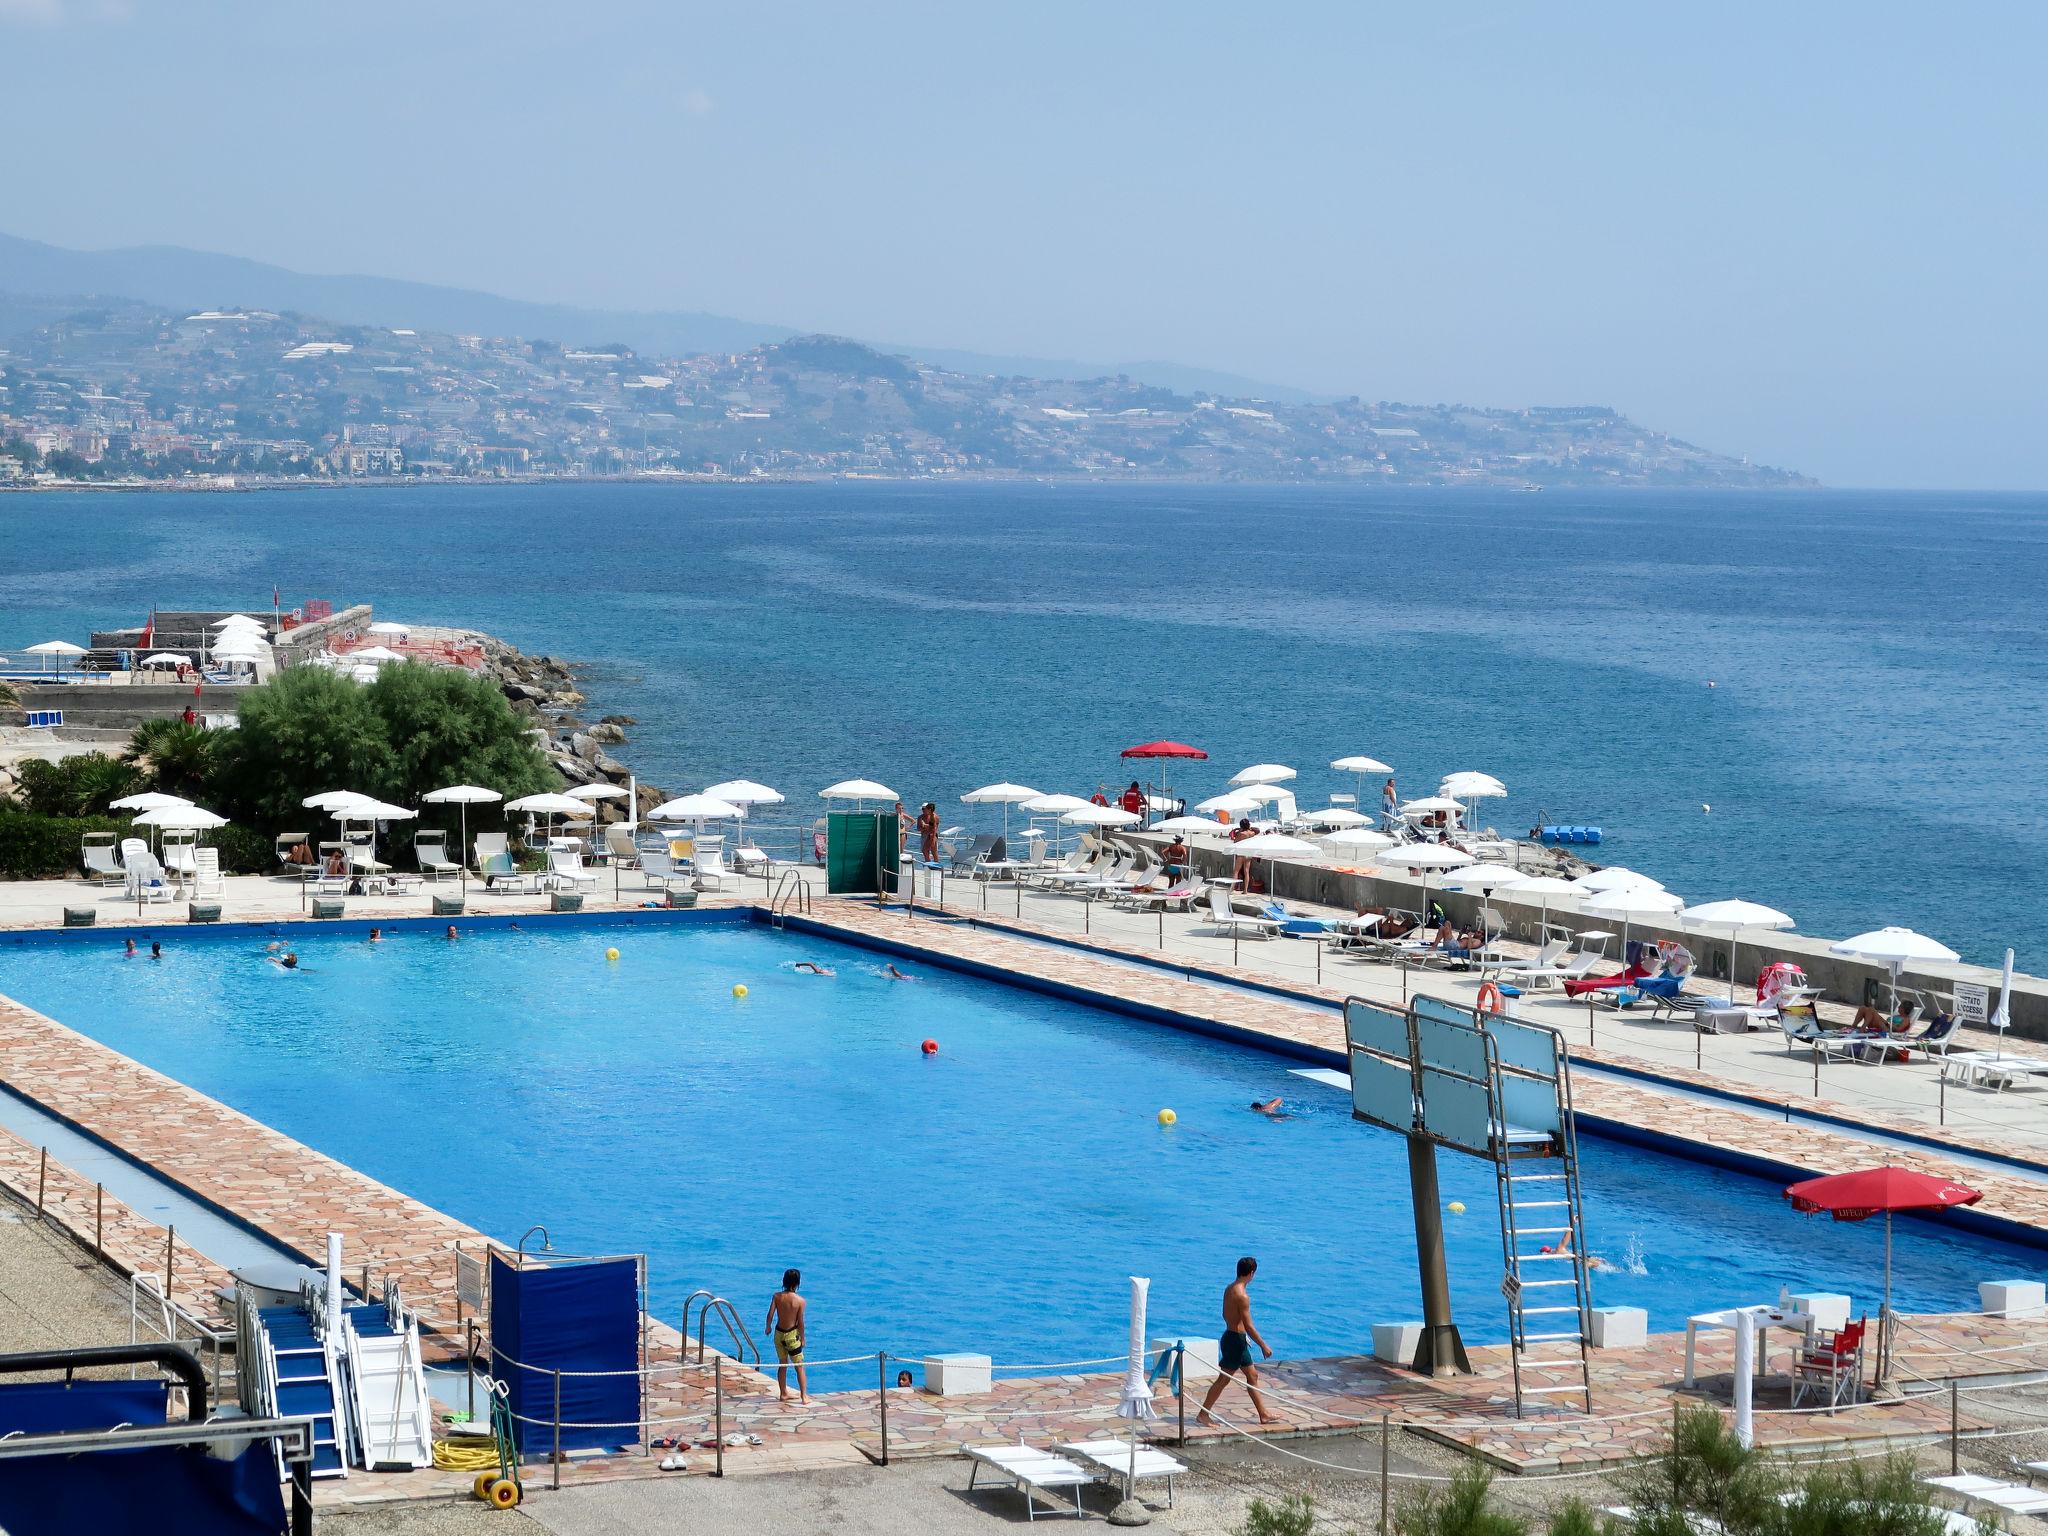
{"points": [[297, 1195]]}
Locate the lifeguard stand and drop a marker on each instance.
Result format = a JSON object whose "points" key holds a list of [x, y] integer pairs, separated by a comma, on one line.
{"points": [[1489, 1086]]}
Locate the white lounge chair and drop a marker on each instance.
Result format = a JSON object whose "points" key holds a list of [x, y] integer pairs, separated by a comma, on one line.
{"points": [[1230, 922], [2012, 1497], [178, 851], [286, 842], [619, 846], [658, 870], [145, 877], [1031, 1470], [1075, 864], [1113, 1461], [707, 864], [1540, 970], [431, 850], [206, 875], [97, 855], [565, 868]]}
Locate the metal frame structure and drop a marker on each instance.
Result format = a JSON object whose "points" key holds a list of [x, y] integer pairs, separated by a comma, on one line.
{"points": [[1443, 1075]]}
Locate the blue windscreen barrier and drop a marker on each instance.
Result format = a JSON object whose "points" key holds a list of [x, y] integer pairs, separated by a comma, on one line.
{"points": [[174, 1490], [581, 1317], [53, 1407]]}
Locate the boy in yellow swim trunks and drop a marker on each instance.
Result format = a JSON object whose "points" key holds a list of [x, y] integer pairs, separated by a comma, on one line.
{"points": [[786, 1326]]}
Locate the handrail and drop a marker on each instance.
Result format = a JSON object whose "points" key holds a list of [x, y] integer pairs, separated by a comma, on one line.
{"points": [[742, 1345], [792, 894]]}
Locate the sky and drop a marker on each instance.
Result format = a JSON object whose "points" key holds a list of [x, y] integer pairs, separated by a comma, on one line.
{"points": [[1814, 234]]}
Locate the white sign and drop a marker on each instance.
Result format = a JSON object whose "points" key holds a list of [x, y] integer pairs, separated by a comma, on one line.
{"points": [[469, 1285], [1973, 1003]]}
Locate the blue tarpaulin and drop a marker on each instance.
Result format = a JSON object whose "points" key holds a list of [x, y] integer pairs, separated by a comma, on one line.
{"points": [[164, 1491], [573, 1317]]}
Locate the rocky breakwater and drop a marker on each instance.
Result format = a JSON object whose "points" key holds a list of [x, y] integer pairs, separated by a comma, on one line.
{"points": [[545, 690]]}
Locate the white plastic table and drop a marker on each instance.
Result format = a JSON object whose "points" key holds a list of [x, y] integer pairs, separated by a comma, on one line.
{"points": [[1767, 1317]]}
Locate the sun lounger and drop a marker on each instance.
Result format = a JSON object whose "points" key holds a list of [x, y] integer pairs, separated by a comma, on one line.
{"points": [[565, 869], [97, 855], [1113, 1461], [431, 850], [2015, 1498], [1031, 1470], [1230, 922], [1540, 970], [1174, 897], [142, 875], [1990, 1069], [658, 871], [206, 875], [619, 846]]}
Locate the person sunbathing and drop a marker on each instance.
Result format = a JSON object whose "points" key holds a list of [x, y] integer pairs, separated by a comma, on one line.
{"points": [[1869, 1021]]}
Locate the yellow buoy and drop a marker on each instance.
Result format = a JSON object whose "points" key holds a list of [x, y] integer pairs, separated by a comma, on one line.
{"points": [[739, 989], [611, 954], [1457, 1207], [1167, 1117]]}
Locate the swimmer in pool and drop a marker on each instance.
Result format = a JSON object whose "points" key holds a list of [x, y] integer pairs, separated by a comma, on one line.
{"points": [[1270, 1108], [286, 961], [812, 968], [1593, 1260], [896, 975], [156, 951], [452, 934], [376, 935]]}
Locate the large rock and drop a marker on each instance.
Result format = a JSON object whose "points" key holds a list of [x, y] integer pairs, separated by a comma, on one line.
{"points": [[608, 733]]}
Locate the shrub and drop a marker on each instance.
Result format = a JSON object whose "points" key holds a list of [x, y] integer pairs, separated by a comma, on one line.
{"points": [[37, 847], [75, 786], [1861, 1499], [1709, 1472], [1294, 1515], [175, 758], [1458, 1508]]}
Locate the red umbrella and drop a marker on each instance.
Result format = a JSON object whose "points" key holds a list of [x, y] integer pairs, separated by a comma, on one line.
{"points": [[1860, 1195], [1165, 749]]}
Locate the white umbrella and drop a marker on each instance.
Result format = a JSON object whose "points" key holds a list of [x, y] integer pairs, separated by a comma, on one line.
{"points": [[1335, 816], [236, 621], [1632, 903], [167, 659], [56, 648], [1615, 878], [548, 804], [463, 796], [1005, 795], [328, 799], [745, 794], [1092, 815], [1425, 857], [857, 790], [1190, 826], [1432, 803], [1273, 845], [1363, 839], [1134, 1402], [1471, 785], [1729, 918], [695, 808], [1361, 765], [1263, 773], [363, 808], [1235, 801], [598, 792], [1895, 948], [1484, 877], [180, 818], [373, 653], [148, 800], [1543, 887], [238, 647], [388, 627], [1053, 805]]}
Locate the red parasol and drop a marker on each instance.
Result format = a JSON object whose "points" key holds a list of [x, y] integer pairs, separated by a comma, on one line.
{"points": [[1869, 1192], [1165, 749]]}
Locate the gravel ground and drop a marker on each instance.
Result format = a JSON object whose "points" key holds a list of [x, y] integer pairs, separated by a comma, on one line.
{"points": [[52, 1293]]}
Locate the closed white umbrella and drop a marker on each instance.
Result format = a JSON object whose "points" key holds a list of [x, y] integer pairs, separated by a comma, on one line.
{"points": [[1134, 1401], [1895, 948], [1263, 773], [2001, 1018], [463, 796], [1728, 918]]}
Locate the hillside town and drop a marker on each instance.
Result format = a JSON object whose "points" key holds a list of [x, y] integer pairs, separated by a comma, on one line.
{"points": [[123, 393]]}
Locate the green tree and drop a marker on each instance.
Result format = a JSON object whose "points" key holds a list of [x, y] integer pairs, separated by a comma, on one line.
{"points": [[174, 758], [75, 786], [447, 726], [306, 731]]}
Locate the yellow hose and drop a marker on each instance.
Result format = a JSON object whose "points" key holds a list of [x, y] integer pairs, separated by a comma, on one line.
{"points": [[451, 1457]]}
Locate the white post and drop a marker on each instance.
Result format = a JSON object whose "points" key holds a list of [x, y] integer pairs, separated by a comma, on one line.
{"points": [[1745, 1375], [334, 1290], [632, 803]]}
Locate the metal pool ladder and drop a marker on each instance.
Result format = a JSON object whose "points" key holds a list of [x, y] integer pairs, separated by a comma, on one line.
{"points": [[792, 894], [1539, 1186], [742, 1345]]}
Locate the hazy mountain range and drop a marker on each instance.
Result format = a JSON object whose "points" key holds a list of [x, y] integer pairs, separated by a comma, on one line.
{"points": [[40, 283]]}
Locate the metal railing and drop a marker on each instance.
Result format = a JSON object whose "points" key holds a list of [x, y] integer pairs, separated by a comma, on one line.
{"points": [[742, 1345]]}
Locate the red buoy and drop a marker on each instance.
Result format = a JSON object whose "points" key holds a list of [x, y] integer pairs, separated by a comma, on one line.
{"points": [[930, 1047]]}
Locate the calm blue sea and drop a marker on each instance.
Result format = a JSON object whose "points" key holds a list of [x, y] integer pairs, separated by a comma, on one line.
{"points": [[1870, 746]]}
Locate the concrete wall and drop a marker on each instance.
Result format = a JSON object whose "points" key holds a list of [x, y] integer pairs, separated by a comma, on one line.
{"points": [[310, 637], [1845, 980], [122, 707]]}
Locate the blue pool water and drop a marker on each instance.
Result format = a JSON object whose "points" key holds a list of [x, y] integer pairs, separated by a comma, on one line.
{"points": [[1870, 749], [993, 1197]]}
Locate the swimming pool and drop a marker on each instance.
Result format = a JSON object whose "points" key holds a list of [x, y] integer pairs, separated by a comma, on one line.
{"points": [[991, 1197]]}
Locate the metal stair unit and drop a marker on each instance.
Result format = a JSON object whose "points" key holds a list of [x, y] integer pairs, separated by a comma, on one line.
{"points": [[289, 1371], [1548, 1294], [391, 1410], [742, 1344]]}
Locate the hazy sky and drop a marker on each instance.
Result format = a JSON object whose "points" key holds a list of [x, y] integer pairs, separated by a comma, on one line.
{"points": [[1816, 234]]}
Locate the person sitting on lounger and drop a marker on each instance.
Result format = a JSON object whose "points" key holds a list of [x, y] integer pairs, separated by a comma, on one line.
{"points": [[301, 855], [1869, 1021], [337, 863]]}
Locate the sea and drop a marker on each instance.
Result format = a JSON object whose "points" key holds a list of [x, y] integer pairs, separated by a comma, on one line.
{"points": [[1828, 701]]}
